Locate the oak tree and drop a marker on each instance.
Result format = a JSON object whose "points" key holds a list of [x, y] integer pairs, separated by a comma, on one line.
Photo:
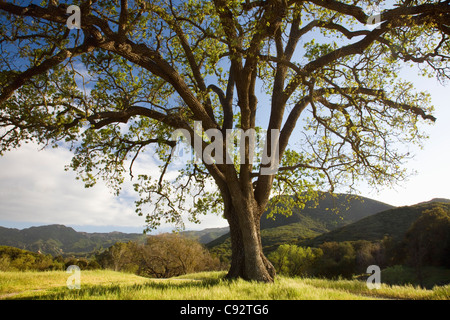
{"points": [[318, 78]]}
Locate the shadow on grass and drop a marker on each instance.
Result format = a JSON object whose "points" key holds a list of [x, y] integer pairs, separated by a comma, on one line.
{"points": [[154, 289]]}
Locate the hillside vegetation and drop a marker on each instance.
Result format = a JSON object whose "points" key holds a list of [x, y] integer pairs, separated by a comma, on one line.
{"points": [[58, 239], [160, 256], [301, 245], [392, 223], [410, 244], [328, 212]]}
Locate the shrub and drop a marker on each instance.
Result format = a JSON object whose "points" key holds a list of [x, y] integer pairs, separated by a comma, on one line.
{"points": [[428, 239], [163, 256], [404, 275], [338, 260], [397, 275], [14, 259], [292, 260], [169, 255], [5, 263]]}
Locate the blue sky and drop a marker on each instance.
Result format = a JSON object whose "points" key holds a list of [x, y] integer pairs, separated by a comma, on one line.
{"points": [[432, 162]]}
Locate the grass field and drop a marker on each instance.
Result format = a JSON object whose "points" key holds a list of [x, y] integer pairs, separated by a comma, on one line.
{"points": [[110, 285]]}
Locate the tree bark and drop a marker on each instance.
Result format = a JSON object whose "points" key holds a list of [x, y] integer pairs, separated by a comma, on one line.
{"points": [[237, 246], [247, 258]]}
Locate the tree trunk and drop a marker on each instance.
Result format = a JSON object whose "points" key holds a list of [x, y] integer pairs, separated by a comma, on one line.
{"points": [[247, 258]]}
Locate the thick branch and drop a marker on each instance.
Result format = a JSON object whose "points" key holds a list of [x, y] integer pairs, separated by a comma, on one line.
{"points": [[140, 54], [351, 10], [123, 18], [46, 65], [101, 119]]}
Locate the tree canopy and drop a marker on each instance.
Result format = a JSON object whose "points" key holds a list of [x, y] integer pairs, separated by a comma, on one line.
{"points": [[318, 78]]}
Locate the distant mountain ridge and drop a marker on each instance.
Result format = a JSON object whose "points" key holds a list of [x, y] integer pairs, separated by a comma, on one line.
{"points": [[206, 235], [393, 223], [314, 226], [441, 200], [330, 211], [358, 218], [58, 239], [309, 222]]}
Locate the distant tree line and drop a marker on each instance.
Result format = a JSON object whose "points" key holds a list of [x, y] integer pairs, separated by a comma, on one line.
{"points": [[161, 256], [15, 259], [331, 259], [427, 243]]}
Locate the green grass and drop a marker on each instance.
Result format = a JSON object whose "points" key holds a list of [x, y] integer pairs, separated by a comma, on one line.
{"points": [[109, 285]]}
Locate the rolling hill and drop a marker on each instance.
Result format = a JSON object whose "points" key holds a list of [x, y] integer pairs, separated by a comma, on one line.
{"points": [[306, 223], [393, 223], [357, 219], [206, 235], [329, 213], [58, 239]]}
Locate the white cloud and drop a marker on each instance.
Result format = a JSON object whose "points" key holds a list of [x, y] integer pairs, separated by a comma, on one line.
{"points": [[35, 188]]}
